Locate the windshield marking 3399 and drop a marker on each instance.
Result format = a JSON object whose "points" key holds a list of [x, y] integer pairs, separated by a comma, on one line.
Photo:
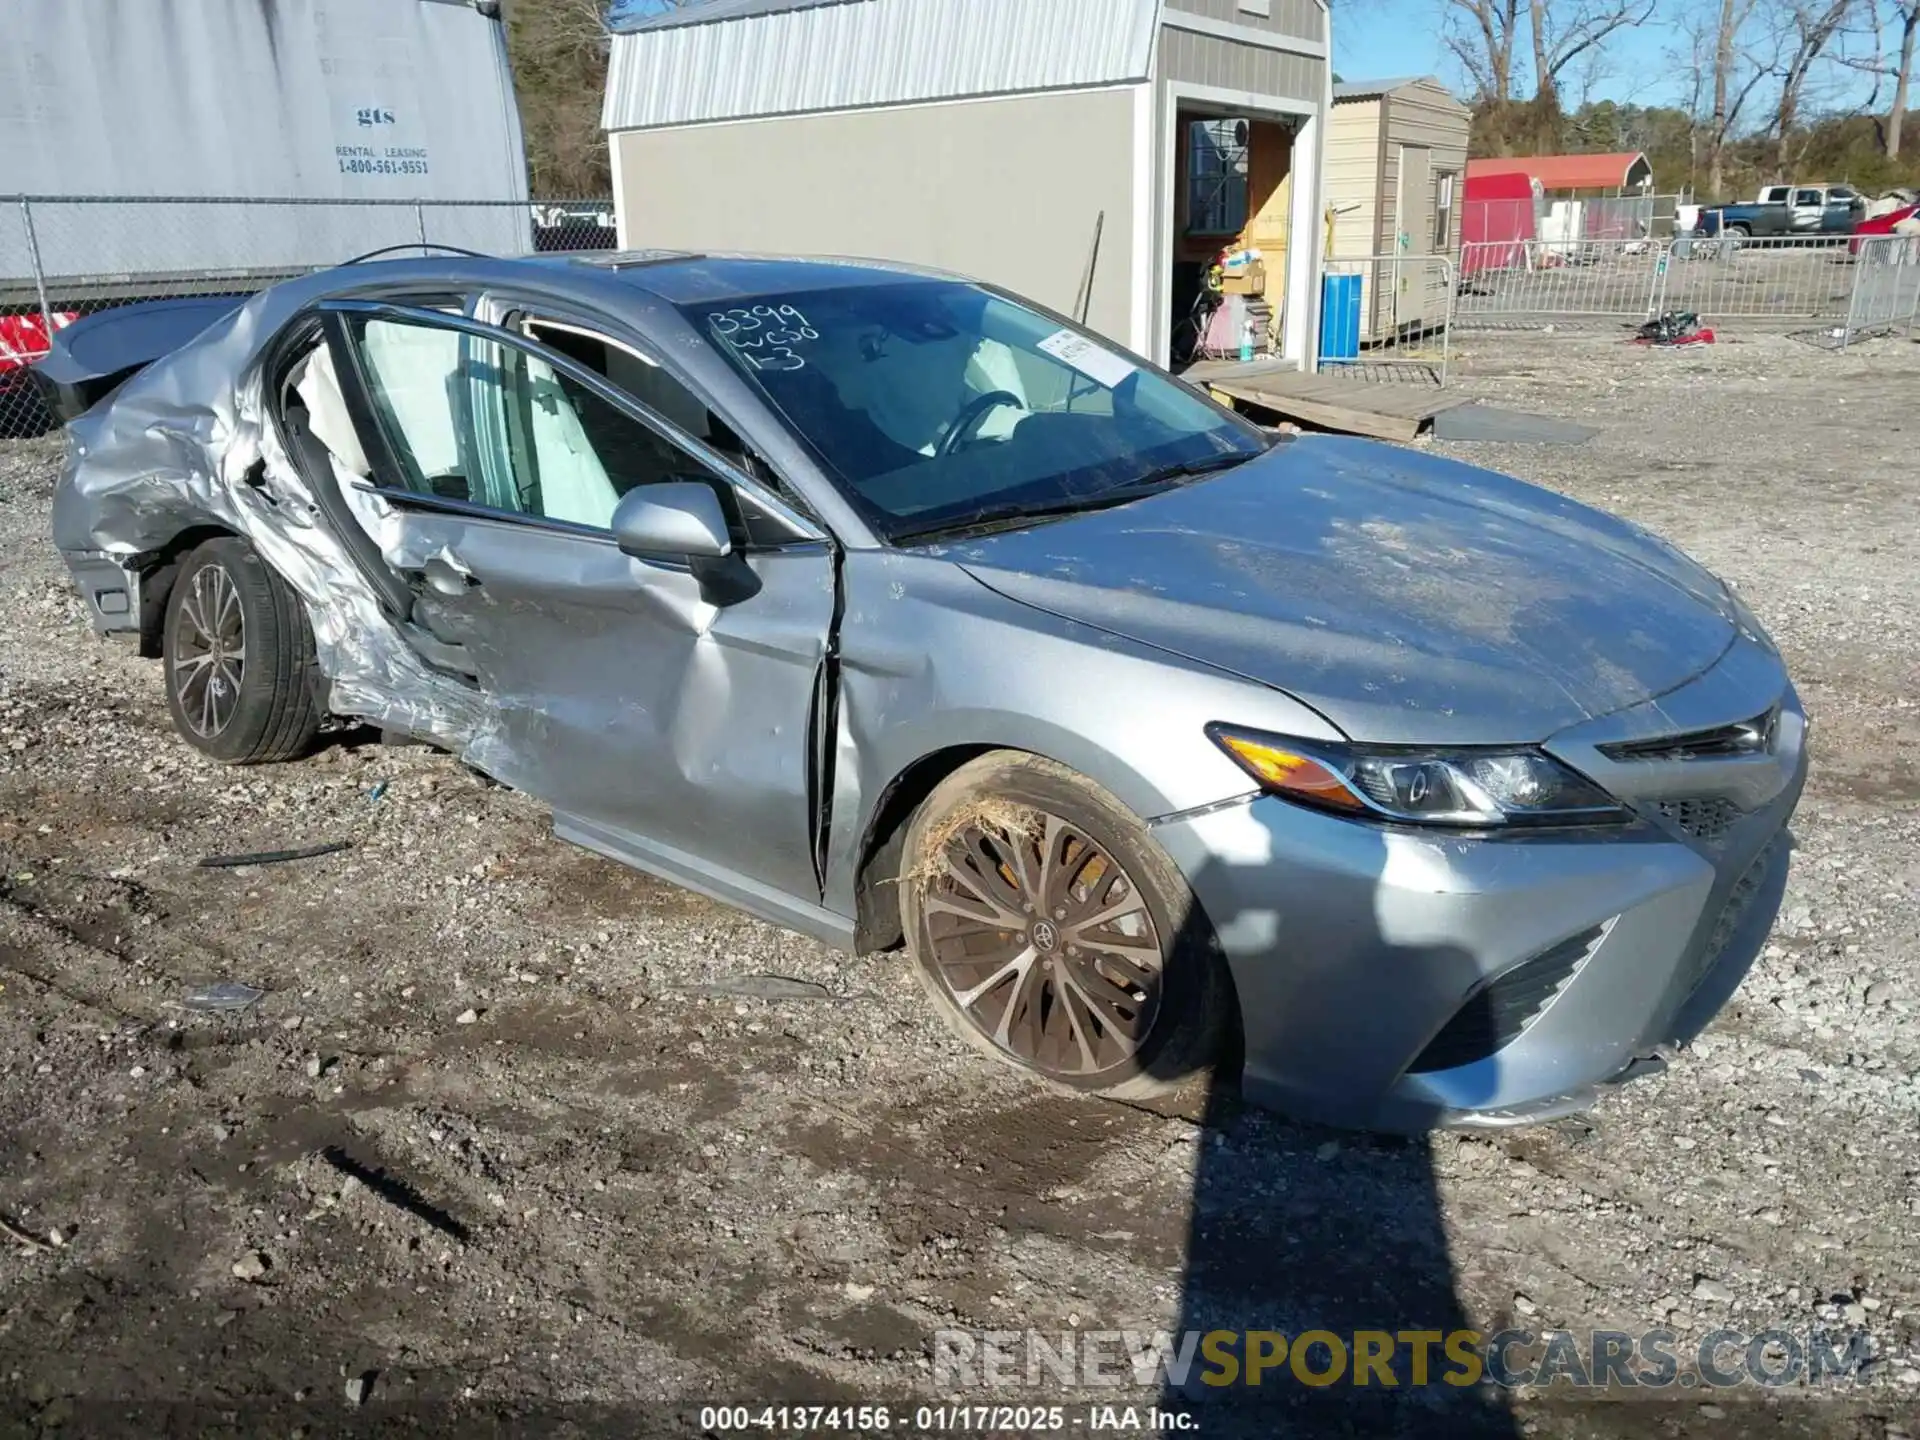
{"points": [[938, 405]]}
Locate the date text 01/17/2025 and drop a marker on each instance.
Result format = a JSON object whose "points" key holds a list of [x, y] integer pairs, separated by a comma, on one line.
{"points": [[944, 1419]]}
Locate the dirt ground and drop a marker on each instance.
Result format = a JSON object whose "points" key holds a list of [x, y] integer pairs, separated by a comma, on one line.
{"points": [[501, 1150]]}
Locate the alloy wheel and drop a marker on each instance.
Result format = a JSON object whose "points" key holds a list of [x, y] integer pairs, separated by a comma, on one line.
{"points": [[1044, 943], [209, 651]]}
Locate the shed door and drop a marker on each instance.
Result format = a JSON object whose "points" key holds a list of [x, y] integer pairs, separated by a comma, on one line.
{"points": [[1413, 227]]}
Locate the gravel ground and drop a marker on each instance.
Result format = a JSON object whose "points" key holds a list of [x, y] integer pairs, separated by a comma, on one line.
{"points": [[501, 1150]]}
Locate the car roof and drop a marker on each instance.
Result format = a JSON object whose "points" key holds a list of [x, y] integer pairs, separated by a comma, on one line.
{"points": [[687, 278], [614, 283]]}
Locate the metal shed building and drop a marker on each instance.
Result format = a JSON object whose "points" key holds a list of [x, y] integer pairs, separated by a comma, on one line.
{"points": [[1014, 140], [1396, 156]]}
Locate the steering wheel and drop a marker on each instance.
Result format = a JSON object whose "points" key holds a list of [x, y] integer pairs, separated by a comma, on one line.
{"points": [[976, 411]]}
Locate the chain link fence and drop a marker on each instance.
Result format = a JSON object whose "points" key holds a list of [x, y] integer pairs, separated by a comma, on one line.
{"points": [[1560, 219], [1886, 290], [63, 258], [1528, 284], [1831, 289], [1624, 217]]}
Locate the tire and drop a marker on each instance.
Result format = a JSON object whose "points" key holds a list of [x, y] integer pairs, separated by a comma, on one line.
{"points": [[1056, 1000], [246, 697]]}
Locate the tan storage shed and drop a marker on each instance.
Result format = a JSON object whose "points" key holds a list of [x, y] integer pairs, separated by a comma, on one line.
{"points": [[1396, 162], [1044, 145]]}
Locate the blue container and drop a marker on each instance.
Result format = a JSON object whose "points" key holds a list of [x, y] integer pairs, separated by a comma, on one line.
{"points": [[1339, 318]]}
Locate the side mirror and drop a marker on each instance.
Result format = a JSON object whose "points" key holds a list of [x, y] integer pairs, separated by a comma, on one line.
{"points": [[677, 520]]}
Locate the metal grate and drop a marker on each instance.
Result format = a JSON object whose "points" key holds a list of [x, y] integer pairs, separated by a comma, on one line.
{"points": [[1498, 1012], [1705, 820], [1748, 737]]}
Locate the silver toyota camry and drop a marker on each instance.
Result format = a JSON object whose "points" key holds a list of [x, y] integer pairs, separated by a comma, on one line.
{"points": [[906, 614]]}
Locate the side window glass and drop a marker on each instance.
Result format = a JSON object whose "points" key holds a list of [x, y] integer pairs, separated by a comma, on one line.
{"points": [[413, 372], [656, 387], [491, 424]]}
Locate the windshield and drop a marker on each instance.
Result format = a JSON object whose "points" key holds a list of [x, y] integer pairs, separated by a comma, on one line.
{"points": [[935, 402]]}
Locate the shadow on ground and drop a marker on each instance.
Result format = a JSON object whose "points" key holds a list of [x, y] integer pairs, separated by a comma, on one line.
{"points": [[1308, 1246]]}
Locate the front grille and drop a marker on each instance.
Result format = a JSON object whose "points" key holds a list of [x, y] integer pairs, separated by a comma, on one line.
{"points": [[1739, 901], [1747, 737], [1707, 819], [1498, 1012]]}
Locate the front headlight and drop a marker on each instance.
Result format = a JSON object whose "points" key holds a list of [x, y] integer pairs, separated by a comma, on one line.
{"points": [[1476, 788]]}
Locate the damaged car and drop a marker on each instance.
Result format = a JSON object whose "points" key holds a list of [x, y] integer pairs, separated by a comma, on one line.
{"points": [[906, 614]]}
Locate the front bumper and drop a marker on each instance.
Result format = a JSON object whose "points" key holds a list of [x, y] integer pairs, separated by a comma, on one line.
{"points": [[1362, 955]]}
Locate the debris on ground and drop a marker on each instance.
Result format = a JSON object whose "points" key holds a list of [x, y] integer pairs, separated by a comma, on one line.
{"points": [[1675, 327], [221, 995], [764, 987], [274, 857], [394, 1191], [32, 1242]]}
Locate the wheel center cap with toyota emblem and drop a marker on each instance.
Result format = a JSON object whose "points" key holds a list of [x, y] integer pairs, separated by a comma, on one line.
{"points": [[1045, 937]]}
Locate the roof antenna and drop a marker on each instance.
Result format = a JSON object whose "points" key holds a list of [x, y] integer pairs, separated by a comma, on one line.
{"points": [[419, 245]]}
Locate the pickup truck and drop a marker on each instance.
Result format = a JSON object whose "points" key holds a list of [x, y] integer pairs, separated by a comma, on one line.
{"points": [[1782, 210]]}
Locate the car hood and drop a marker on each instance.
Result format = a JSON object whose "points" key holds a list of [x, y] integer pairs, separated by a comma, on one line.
{"points": [[1407, 598]]}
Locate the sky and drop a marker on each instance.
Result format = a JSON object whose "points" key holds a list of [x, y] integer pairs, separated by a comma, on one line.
{"points": [[1377, 39]]}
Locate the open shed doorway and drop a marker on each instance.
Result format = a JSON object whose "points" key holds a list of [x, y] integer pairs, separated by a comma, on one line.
{"points": [[1232, 191]]}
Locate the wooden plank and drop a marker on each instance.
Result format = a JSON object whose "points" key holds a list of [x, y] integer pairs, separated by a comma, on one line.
{"points": [[1414, 401], [1384, 412], [1330, 416], [1203, 371]]}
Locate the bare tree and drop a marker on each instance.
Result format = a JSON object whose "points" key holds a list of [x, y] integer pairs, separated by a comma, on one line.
{"points": [[1482, 34], [1595, 69], [1909, 12], [1565, 30], [559, 50], [1802, 32], [1905, 19], [1724, 64], [1695, 61]]}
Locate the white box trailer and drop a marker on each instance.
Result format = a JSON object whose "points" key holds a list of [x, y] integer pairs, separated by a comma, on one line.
{"points": [[332, 103]]}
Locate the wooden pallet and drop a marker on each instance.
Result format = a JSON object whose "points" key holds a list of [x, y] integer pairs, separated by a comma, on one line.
{"points": [[1330, 402]]}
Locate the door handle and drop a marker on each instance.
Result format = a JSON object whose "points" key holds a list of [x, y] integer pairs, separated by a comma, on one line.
{"points": [[446, 575]]}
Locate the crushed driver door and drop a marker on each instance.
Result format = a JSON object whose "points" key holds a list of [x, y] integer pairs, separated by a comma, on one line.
{"points": [[663, 709]]}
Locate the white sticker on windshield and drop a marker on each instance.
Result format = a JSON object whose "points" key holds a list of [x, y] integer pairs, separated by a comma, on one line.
{"points": [[1096, 362]]}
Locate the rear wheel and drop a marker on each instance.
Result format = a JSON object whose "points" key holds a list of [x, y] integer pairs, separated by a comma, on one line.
{"points": [[238, 653], [1053, 933]]}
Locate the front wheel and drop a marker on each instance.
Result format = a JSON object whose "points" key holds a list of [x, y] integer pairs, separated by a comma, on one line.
{"points": [[238, 653], [1053, 933]]}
